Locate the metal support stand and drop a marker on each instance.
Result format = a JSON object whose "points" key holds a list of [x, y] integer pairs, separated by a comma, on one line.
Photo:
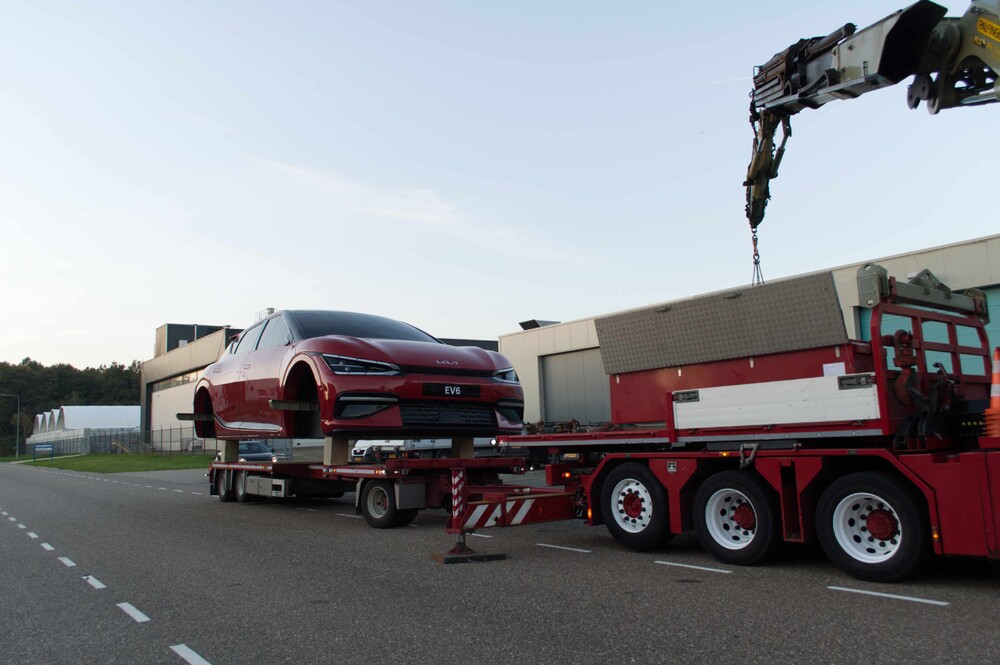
{"points": [[462, 553]]}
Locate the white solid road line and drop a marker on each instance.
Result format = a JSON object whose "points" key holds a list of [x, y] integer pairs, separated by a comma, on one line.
{"points": [[188, 654], [688, 565], [94, 582], [568, 549], [893, 596], [480, 535], [130, 610], [353, 517], [66, 562], [47, 547]]}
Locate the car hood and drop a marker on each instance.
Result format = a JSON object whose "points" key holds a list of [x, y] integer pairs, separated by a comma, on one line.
{"points": [[440, 357]]}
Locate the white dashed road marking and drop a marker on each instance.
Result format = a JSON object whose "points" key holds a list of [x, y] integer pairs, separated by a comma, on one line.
{"points": [[568, 549], [94, 582], [130, 610], [21, 526], [353, 517], [47, 547], [185, 652], [32, 535], [688, 565], [893, 596], [66, 562]]}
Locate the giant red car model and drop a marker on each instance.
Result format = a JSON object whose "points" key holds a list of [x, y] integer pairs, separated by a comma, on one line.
{"points": [[310, 373]]}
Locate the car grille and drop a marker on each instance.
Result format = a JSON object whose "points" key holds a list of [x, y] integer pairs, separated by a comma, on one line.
{"points": [[447, 414], [446, 371]]}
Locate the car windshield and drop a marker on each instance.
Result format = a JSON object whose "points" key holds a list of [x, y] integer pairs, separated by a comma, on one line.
{"points": [[368, 326], [253, 447]]}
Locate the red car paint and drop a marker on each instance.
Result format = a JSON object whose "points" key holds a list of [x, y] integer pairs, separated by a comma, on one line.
{"points": [[281, 384]]}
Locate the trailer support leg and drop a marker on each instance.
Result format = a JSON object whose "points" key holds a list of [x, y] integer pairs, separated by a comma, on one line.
{"points": [[463, 447], [335, 450], [230, 451], [462, 553]]}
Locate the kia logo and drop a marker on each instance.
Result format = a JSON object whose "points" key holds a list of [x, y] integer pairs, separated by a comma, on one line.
{"points": [[447, 362]]}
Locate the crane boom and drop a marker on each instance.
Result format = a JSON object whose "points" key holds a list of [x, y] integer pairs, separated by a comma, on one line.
{"points": [[954, 62]]}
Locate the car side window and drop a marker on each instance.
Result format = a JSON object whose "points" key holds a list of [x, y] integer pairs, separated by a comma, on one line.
{"points": [[275, 334], [249, 339]]}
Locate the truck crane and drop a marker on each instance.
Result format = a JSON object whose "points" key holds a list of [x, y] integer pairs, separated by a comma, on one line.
{"points": [[953, 62]]}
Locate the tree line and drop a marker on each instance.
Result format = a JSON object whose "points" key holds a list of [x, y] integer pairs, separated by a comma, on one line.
{"points": [[44, 388]]}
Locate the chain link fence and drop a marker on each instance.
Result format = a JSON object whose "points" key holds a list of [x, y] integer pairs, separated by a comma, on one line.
{"points": [[166, 441]]}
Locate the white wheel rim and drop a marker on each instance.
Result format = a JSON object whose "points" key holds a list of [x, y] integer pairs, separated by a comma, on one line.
{"points": [[241, 483], [731, 519], [632, 506], [378, 502], [867, 527]]}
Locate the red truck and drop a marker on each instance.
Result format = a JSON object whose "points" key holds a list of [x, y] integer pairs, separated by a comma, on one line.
{"points": [[884, 451]]}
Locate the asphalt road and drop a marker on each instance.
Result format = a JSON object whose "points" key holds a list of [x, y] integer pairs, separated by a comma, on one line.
{"points": [[147, 568]]}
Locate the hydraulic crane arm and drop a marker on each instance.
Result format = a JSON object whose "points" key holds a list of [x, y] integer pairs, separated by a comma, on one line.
{"points": [[954, 62]]}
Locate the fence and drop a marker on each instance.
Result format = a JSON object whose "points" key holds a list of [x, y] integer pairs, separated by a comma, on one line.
{"points": [[169, 441]]}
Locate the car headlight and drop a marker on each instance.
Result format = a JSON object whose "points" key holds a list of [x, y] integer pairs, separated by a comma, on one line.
{"points": [[242, 459], [274, 459], [506, 375], [345, 365]]}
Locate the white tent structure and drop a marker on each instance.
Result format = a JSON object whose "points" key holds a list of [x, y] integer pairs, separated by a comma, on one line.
{"points": [[85, 429]]}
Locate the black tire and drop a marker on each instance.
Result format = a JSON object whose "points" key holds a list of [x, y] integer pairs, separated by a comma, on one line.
{"points": [[736, 518], [378, 504], [240, 489], [223, 487], [873, 527], [404, 517], [634, 504]]}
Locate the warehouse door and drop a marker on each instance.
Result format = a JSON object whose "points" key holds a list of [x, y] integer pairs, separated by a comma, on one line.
{"points": [[574, 385]]}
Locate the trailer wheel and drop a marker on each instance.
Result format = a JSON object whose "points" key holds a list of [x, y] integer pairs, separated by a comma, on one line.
{"points": [[871, 527], [635, 507], [378, 504], [223, 487], [736, 518], [241, 488]]}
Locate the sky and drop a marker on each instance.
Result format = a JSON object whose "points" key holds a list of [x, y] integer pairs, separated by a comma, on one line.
{"points": [[462, 166]]}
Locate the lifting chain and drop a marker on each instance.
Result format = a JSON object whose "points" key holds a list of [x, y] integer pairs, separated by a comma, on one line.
{"points": [[758, 276]]}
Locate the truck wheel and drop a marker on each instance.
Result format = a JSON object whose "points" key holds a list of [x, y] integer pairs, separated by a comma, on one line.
{"points": [[404, 517], [241, 488], [635, 507], [378, 504], [222, 486], [873, 527], [736, 518]]}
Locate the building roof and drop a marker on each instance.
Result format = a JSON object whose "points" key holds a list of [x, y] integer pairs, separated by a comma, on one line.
{"points": [[87, 417]]}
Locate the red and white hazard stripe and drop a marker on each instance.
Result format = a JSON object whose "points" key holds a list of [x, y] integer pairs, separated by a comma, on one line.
{"points": [[457, 497], [488, 514]]}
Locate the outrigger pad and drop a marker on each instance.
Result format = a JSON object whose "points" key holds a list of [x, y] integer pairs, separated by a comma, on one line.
{"points": [[462, 554]]}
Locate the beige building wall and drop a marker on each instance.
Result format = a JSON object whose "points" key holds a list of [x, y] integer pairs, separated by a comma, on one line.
{"points": [[973, 263]]}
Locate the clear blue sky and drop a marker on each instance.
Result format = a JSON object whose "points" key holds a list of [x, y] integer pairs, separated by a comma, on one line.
{"points": [[458, 165]]}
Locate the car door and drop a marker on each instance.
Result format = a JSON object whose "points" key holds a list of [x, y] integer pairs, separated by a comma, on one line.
{"points": [[232, 407], [262, 370]]}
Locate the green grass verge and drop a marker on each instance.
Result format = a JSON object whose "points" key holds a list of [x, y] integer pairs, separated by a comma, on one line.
{"points": [[123, 463]]}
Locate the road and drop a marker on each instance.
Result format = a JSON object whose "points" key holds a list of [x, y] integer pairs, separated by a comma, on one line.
{"points": [[147, 568]]}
